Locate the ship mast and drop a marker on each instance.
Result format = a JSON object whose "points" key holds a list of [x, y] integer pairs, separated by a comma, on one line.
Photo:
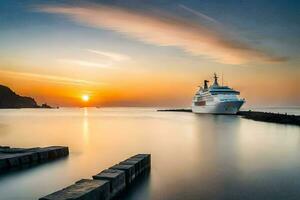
{"points": [[216, 79]]}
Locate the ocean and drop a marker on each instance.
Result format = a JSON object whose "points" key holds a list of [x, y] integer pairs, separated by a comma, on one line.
{"points": [[209, 157]]}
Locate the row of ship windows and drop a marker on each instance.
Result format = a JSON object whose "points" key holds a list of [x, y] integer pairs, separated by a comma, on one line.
{"points": [[208, 94], [208, 98]]}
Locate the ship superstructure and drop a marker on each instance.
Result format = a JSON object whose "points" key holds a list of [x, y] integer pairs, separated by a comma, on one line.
{"points": [[216, 99]]}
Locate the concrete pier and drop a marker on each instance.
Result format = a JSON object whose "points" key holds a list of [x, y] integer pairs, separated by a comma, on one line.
{"points": [[84, 189], [111, 182], [257, 116], [271, 117], [14, 158]]}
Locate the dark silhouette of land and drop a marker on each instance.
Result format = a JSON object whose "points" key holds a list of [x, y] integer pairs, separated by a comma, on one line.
{"points": [[257, 116], [9, 99]]}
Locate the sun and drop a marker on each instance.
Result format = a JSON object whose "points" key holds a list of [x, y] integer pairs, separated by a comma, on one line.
{"points": [[85, 98]]}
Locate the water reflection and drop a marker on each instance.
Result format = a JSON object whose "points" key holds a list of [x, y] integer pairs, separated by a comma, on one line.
{"points": [[85, 126], [141, 189]]}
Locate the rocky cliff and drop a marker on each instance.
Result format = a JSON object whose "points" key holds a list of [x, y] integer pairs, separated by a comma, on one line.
{"points": [[9, 99]]}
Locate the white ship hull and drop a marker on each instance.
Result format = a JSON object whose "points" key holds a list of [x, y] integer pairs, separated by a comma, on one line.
{"points": [[228, 107]]}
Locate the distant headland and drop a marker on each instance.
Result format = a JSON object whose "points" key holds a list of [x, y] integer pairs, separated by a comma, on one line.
{"points": [[9, 99]]}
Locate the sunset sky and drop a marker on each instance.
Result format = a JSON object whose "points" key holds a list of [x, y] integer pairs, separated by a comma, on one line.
{"points": [[149, 52]]}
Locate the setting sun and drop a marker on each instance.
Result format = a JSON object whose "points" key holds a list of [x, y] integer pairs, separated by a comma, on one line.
{"points": [[85, 98]]}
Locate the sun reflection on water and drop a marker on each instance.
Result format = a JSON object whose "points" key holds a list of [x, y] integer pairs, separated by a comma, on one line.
{"points": [[85, 126]]}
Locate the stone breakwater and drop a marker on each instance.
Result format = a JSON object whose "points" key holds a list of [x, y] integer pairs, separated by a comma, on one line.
{"points": [[257, 116], [18, 158], [109, 183], [271, 117]]}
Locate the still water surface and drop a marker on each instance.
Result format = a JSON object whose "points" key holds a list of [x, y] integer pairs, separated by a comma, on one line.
{"points": [[193, 156]]}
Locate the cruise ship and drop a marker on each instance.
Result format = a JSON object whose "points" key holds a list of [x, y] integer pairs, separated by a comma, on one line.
{"points": [[216, 99]]}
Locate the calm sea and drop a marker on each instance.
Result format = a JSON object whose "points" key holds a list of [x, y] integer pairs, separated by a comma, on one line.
{"points": [[193, 156]]}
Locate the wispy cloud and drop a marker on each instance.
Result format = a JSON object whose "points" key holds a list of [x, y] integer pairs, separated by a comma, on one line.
{"points": [[49, 78], [108, 59], [84, 63], [166, 30], [197, 13], [110, 55]]}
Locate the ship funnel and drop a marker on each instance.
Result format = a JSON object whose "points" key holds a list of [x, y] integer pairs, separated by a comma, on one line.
{"points": [[205, 84]]}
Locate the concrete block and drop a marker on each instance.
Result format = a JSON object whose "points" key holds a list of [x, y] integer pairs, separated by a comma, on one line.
{"points": [[129, 172], [57, 152], [116, 179], [42, 155], [143, 166], [34, 158], [137, 165], [63, 151], [13, 161], [146, 160], [84, 189], [24, 158], [53, 153]]}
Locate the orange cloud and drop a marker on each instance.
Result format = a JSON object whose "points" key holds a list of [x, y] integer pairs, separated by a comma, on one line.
{"points": [[166, 30]]}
